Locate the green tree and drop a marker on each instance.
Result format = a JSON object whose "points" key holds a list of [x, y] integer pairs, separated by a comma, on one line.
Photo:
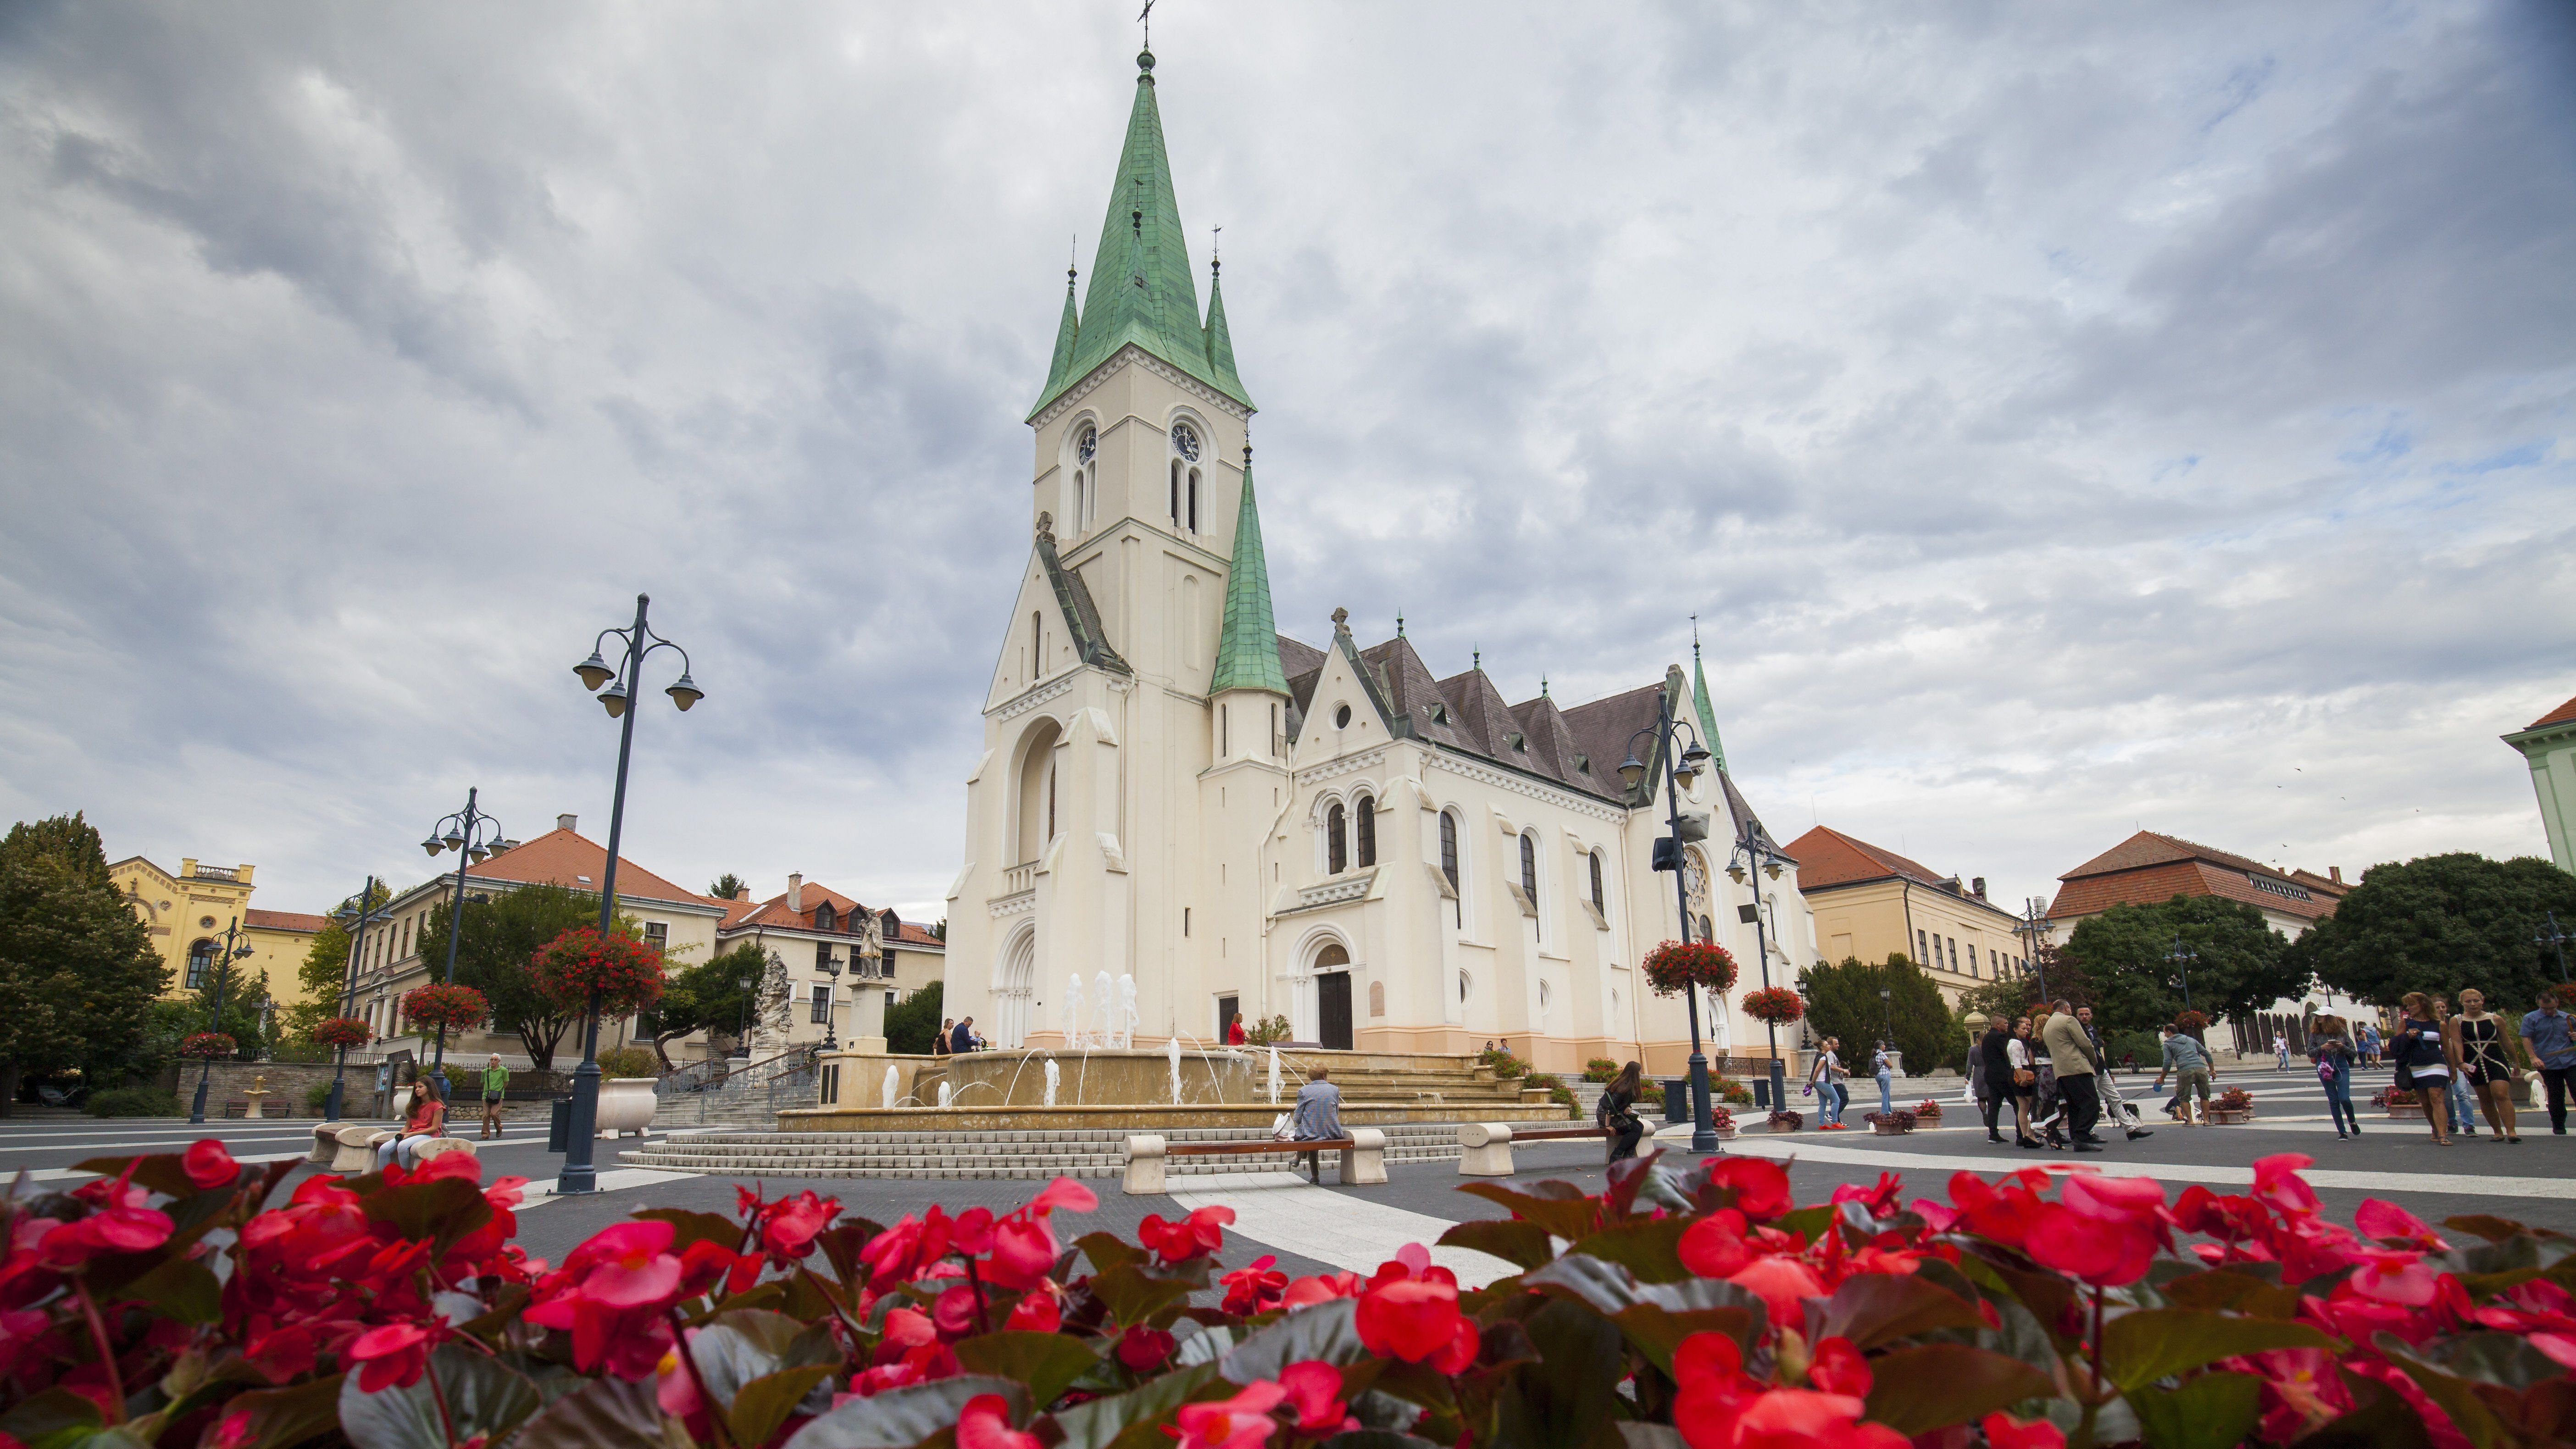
{"points": [[2444, 923], [727, 886], [1843, 1001], [2242, 964], [78, 974], [502, 935], [706, 997], [324, 972], [912, 1022]]}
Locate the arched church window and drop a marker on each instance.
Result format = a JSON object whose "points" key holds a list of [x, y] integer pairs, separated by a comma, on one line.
{"points": [[1529, 869], [1086, 450], [1336, 849], [1367, 831], [1597, 902], [1176, 493], [1194, 500], [1449, 867], [1050, 835], [201, 962]]}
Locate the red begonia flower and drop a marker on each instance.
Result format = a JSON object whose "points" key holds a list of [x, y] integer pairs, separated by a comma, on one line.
{"points": [[1713, 1250], [789, 1226], [209, 1165], [2394, 1276], [1254, 1287], [1314, 1390], [1760, 1188], [2106, 1253], [393, 1356], [2003, 1431], [1203, 1231], [2117, 1198], [2277, 1182], [1783, 1285], [1320, 1288], [1838, 1368], [985, 1423], [1142, 1348], [1417, 1320], [1241, 1422], [2384, 1220]]}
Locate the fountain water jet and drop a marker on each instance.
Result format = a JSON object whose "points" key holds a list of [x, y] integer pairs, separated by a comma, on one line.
{"points": [[1171, 1054], [891, 1086], [1052, 1077], [1274, 1075], [944, 1093], [1127, 1012], [1073, 1012], [1102, 1028]]}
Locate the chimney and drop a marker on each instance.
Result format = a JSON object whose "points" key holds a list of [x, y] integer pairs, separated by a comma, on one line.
{"points": [[2335, 873], [742, 893], [567, 823], [1979, 886], [796, 893]]}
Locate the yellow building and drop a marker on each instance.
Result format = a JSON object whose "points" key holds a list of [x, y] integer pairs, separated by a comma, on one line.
{"points": [[188, 911], [1872, 903]]}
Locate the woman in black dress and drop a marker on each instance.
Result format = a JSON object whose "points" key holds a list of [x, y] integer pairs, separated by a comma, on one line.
{"points": [[2422, 1049], [2478, 1041], [1617, 1112]]}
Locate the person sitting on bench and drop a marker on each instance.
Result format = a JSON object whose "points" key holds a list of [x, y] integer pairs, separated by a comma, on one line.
{"points": [[1616, 1112], [1318, 1119]]}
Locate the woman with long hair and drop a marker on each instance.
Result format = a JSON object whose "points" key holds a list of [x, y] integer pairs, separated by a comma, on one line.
{"points": [[1617, 1112], [2330, 1047], [2485, 1056], [2421, 1046], [424, 1119], [2025, 1081]]}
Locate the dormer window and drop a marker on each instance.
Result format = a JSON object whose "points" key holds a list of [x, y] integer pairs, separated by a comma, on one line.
{"points": [[1440, 714], [1519, 742], [1583, 764], [823, 917]]}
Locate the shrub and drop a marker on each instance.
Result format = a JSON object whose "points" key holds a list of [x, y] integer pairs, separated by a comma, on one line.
{"points": [[2395, 1097], [629, 1061], [136, 1101], [208, 1046], [1786, 1118], [1927, 1108], [2236, 1099], [1505, 1065], [1267, 1030], [317, 1097], [1903, 1119], [1992, 1317], [1720, 1118], [1600, 1069], [1729, 1089], [1557, 1091]]}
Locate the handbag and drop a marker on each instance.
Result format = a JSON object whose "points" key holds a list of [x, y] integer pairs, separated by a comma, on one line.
{"points": [[2024, 1077]]}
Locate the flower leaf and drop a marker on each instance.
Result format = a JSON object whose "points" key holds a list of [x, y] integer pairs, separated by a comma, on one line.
{"points": [[1135, 1296], [485, 1398], [1935, 1385], [51, 1419], [440, 1211], [2152, 1343], [1046, 1362], [901, 1418], [689, 1227], [760, 1406], [1521, 1244], [288, 1415], [607, 1413], [1328, 1331], [1571, 1218], [1101, 1422], [2213, 1411], [184, 1288], [1873, 1308], [1650, 1249]]}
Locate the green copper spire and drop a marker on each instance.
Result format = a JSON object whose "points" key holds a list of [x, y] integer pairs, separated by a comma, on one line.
{"points": [[1141, 289], [1247, 643], [1699, 697], [1220, 346], [1066, 330]]}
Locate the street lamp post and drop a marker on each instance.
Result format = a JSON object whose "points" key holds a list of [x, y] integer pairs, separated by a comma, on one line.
{"points": [[235, 949], [471, 834], [355, 920], [1684, 766], [2182, 956], [2556, 940], [1752, 853], [2035, 927], [578, 1175]]}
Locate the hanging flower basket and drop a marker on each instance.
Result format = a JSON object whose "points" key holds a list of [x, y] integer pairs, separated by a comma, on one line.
{"points": [[208, 1046], [1675, 965], [1777, 1005], [625, 972], [342, 1031], [2192, 1022], [453, 1008]]}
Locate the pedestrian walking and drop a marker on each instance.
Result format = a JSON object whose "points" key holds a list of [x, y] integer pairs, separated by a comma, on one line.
{"points": [[1823, 1079], [2023, 1073], [1616, 1112], [2486, 1064], [2464, 1103], [2544, 1032], [2331, 1050], [1883, 1067], [2424, 1062], [2072, 1053], [496, 1085], [2281, 1051], [2114, 1109], [2371, 1046], [2048, 1111]]}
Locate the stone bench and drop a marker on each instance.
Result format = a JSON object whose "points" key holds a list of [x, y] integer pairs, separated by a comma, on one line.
{"points": [[1486, 1147], [355, 1144], [1363, 1157]]}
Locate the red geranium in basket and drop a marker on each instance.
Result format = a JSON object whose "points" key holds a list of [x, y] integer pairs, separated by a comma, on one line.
{"points": [[1777, 1005], [627, 973], [1678, 964], [342, 1031], [208, 1045], [452, 1008]]}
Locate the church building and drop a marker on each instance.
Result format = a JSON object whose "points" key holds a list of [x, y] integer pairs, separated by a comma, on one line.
{"points": [[1172, 789]]}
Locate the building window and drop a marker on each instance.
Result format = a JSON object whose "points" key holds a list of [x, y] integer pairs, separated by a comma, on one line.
{"points": [[1366, 810], [657, 935], [1598, 902], [1449, 868], [201, 962], [824, 919], [889, 1001], [1176, 492], [1922, 952], [1954, 953], [1050, 833], [1529, 877], [822, 1004], [1194, 500], [823, 956], [1972, 958], [1336, 849]]}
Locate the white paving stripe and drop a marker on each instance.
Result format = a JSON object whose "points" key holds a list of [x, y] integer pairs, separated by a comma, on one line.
{"points": [[249, 1139], [1780, 1147], [614, 1180], [1282, 1210]]}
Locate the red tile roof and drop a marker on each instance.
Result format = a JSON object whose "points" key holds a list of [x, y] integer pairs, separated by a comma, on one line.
{"points": [[562, 857], [1827, 857], [773, 912], [2147, 868], [909, 934], [2562, 713], [283, 920]]}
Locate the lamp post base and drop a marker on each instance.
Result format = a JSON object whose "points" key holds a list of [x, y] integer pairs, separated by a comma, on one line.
{"points": [[197, 1109], [579, 1175], [1703, 1126], [1779, 1084]]}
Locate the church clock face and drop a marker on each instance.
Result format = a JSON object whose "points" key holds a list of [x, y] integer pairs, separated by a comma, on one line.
{"points": [[1089, 447], [1185, 440]]}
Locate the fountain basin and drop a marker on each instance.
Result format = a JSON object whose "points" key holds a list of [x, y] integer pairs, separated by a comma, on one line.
{"points": [[1018, 1078], [1133, 1117]]}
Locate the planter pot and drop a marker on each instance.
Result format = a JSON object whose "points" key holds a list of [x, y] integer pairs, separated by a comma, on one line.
{"points": [[1779, 1126], [1889, 1129], [2231, 1116], [2409, 1111], [1727, 1134], [626, 1105]]}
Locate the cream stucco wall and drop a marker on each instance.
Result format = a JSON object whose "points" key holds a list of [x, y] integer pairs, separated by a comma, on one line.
{"points": [[1871, 919]]}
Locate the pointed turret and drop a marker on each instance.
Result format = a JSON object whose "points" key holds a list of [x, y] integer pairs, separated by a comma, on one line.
{"points": [[1247, 644], [1067, 331], [1220, 345], [1699, 697], [1141, 289]]}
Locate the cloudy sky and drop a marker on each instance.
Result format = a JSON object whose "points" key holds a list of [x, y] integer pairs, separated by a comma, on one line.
{"points": [[2060, 418]]}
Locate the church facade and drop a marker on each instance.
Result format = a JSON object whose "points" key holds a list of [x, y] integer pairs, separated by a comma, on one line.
{"points": [[1172, 789]]}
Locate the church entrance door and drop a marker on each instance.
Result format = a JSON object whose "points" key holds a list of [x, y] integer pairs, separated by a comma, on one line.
{"points": [[1333, 1010]]}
